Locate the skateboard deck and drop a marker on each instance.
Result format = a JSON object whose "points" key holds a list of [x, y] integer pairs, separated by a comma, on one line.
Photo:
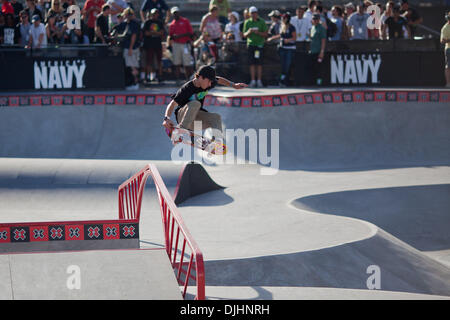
{"points": [[180, 135]]}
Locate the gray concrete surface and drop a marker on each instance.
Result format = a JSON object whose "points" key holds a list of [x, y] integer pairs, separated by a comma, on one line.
{"points": [[117, 274], [358, 185]]}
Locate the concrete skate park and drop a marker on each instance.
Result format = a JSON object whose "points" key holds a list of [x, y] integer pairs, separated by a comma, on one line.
{"points": [[353, 204]]}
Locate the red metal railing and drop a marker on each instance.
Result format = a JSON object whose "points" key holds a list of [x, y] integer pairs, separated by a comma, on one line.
{"points": [[184, 254]]}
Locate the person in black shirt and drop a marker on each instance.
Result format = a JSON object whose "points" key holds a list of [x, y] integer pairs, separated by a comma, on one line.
{"points": [[396, 23], [153, 34], [102, 26], [189, 102], [412, 17]]}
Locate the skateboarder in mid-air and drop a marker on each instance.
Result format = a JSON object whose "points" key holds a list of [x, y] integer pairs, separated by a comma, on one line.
{"points": [[188, 101]]}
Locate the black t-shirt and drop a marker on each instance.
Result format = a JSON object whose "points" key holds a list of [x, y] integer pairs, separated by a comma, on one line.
{"points": [[189, 92], [102, 23], [395, 27], [152, 41]]}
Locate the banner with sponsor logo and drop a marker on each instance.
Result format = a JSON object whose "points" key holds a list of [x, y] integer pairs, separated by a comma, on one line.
{"points": [[63, 73], [384, 69]]}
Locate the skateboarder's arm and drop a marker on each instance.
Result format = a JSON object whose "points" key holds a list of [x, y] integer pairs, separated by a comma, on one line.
{"points": [[169, 110], [225, 82]]}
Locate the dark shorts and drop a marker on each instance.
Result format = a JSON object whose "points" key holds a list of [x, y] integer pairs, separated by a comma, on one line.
{"points": [[447, 58], [255, 55], [151, 54]]}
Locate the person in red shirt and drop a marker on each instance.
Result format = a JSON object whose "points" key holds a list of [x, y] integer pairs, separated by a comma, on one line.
{"points": [[7, 7], [91, 9], [180, 37]]}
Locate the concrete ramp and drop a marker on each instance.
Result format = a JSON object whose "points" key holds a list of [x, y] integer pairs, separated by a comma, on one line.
{"points": [[115, 274]]}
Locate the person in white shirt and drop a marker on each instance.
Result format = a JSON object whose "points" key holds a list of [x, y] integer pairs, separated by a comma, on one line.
{"points": [[233, 26], [38, 36], [302, 24], [311, 8]]}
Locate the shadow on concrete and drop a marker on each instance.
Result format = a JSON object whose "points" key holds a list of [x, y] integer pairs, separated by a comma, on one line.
{"points": [[345, 266], [417, 215]]}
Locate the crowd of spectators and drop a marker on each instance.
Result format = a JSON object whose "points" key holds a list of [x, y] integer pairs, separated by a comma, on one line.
{"points": [[155, 33]]}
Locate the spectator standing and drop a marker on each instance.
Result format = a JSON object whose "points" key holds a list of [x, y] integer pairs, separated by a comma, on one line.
{"points": [[255, 30], [32, 10], [301, 24], [130, 45], [180, 36], [90, 10], [208, 52], [9, 30], [38, 36], [23, 28], [286, 48], [396, 23], [153, 34], [224, 9], [233, 26], [2, 26], [412, 17], [317, 49], [18, 7], [210, 24], [102, 27], [246, 16], [56, 9], [117, 6], [338, 20], [445, 39], [274, 29], [7, 8], [160, 5], [309, 13], [349, 9], [54, 34], [357, 23], [386, 14]]}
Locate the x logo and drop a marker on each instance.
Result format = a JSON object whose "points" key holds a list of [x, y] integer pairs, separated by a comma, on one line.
{"points": [[38, 233], [19, 234], [4, 235], [74, 232], [93, 232], [128, 231], [111, 231]]}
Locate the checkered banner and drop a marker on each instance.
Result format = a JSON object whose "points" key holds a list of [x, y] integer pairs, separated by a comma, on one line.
{"points": [[68, 232], [217, 101]]}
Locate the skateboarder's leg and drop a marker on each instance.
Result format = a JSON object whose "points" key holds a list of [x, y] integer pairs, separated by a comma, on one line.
{"points": [[211, 120], [188, 114]]}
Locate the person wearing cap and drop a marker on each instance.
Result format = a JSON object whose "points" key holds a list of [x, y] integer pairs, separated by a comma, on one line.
{"points": [[255, 30], [180, 37], [301, 23], [187, 102], [38, 36], [274, 28], [160, 5], [153, 34], [445, 40], [317, 48], [233, 26]]}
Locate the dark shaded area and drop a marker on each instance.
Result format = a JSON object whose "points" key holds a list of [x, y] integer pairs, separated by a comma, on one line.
{"points": [[194, 180], [418, 215]]}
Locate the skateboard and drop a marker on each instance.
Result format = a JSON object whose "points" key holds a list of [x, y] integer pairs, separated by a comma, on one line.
{"points": [[180, 135]]}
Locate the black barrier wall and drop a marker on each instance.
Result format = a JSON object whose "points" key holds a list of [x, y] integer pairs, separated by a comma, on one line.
{"points": [[353, 63], [68, 69]]}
